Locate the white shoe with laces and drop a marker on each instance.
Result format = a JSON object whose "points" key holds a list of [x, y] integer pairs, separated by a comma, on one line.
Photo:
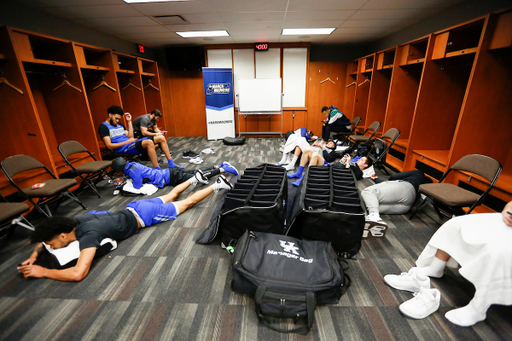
{"points": [[408, 281], [196, 160], [424, 303], [200, 177], [375, 219], [222, 183]]}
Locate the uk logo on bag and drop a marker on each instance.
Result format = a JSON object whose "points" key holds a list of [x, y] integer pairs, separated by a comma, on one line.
{"points": [[289, 251], [289, 247]]}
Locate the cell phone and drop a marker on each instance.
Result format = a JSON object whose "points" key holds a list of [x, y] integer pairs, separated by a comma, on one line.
{"points": [[38, 185]]}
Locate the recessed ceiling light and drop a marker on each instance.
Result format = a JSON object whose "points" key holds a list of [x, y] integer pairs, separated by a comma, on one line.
{"points": [[202, 34], [305, 31], [142, 1]]}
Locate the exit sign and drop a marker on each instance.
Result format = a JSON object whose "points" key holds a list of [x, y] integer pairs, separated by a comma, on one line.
{"points": [[140, 48]]}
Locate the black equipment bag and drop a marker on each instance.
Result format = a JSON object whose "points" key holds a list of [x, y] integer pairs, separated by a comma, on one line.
{"points": [[255, 203], [289, 277], [234, 141], [328, 207]]}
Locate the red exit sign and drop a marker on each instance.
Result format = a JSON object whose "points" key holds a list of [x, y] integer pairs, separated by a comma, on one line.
{"points": [[140, 48], [261, 46]]}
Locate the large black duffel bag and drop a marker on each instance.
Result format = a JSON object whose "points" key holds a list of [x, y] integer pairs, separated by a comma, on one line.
{"points": [[287, 276], [257, 203], [327, 207]]}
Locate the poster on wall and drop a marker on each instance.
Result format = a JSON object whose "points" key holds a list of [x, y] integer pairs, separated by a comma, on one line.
{"points": [[218, 93]]}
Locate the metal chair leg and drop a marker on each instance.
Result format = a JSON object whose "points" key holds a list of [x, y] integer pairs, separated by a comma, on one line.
{"points": [[417, 209], [72, 196]]}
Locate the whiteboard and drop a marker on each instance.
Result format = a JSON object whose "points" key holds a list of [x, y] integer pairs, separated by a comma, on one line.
{"points": [[294, 76], [260, 94]]}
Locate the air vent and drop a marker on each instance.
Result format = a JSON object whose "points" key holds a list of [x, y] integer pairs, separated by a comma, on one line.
{"points": [[170, 19]]}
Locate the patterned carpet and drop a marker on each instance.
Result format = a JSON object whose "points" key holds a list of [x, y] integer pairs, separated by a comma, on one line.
{"points": [[161, 285]]}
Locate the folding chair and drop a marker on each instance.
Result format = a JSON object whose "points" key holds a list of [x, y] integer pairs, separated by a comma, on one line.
{"points": [[363, 138], [53, 190], [452, 198], [90, 172], [11, 211], [343, 136], [379, 157]]}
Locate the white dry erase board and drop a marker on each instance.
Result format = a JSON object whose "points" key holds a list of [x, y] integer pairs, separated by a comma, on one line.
{"points": [[260, 94]]}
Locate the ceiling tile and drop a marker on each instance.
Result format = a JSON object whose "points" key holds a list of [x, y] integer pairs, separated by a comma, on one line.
{"points": [[202, 18], [250, 17], [248, 6], [259, 25], [198, 27], [319, 15], [110, 11], [212, 40], [312, 23], [169, 8], [371, 23], [67, 3], [127, 21], [392, 14], [309, 6], [139, 29], [408, 4]]}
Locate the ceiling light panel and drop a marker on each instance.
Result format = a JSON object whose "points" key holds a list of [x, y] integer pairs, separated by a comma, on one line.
{"points": [[203, 34]]}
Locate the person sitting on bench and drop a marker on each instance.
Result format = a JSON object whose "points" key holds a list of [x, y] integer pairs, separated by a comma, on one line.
{"points": [[335, 121], [480, 244], [121, 140], [170, 176], [91, 229]]}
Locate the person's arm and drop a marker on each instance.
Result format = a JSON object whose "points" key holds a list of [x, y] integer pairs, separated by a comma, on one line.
{"points": [[33, 257], [105, 136], [74, 274], [128, 118], [145, 131], [136, 175]]}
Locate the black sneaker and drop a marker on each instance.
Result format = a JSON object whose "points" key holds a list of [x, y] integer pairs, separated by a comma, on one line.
{"points": [[189, 154]]}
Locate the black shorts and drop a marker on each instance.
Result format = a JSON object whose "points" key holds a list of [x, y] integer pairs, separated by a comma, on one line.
{"points": [[139, 147]]}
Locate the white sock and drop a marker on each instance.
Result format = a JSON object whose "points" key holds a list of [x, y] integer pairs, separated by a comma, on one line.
{"points": [[283, 159], [435, 269], [221, 169], [292, 163], [465, 316], [193, 181]]}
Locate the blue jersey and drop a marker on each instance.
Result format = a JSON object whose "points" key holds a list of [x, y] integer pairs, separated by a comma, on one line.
{"points": [[117, 135], [138, 173]]}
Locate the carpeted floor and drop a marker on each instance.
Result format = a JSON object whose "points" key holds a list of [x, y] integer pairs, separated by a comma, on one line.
{"points": [[161, 285]]}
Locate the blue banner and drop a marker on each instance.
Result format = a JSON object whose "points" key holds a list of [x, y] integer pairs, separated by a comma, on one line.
{"points": [[218, 93]]}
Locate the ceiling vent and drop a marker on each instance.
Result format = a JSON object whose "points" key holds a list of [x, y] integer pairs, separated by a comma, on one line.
{"points": [[170, 19]]}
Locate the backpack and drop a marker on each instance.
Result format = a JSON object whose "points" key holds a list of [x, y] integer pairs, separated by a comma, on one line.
{"points": [[288, 277]]}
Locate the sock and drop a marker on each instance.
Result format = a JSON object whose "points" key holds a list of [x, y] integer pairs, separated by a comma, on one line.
{"points": [[193, 181], [465, 316], [297, 174], [283, 160], [157, 167], [221, 169], [435, 269], [292, 163], [297, 183], [171, 163]]}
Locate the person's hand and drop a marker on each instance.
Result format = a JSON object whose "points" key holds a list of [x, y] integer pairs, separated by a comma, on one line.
{"points": [[163, 132], [31, 271], [131, 139], [128, 116], [374, 176], [29, 261]]}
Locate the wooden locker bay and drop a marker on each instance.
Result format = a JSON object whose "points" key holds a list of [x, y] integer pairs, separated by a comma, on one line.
{"points": [[65, 89]]}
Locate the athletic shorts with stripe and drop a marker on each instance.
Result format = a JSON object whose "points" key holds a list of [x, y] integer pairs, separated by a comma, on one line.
{"points": [[154, 211]]}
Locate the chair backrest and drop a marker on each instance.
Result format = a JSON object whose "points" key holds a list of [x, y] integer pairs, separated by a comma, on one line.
{"points": [[482, 165], [374, 126], [71, 147], [391, 134], [355, 122], [20, 163]]}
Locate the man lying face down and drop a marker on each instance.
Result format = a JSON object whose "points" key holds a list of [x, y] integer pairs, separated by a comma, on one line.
{"points": [[91, 229]]}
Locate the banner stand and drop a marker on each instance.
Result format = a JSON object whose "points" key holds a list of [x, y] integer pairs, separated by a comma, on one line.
{"points": [[218, 94]]}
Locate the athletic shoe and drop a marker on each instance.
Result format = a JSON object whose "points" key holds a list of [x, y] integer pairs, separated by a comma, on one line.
{"points": [[196, 160], [200, 177], [422, 304], [228, 168], [375, 219], [222, 183], [208, 150], [407, 281], [189, 154]]}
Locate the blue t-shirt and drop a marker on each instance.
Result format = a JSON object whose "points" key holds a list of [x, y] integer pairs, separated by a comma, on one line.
{"points": [[138, 173]]}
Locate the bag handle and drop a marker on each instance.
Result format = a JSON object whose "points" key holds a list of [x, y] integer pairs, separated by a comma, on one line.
{"points": [[310, 306]]}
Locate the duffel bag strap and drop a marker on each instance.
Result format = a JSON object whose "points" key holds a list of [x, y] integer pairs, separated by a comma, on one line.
{"points": [[310, 305], [347, 281]]}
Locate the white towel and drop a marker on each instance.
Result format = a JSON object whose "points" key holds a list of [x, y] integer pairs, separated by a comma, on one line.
{"points": [[481, 244], [147, 189], [71, 252]]}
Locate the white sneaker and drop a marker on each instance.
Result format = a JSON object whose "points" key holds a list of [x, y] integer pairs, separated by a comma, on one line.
{"points": [[222, 183], [200, 177], [407, 281], [196, 160], [422, 304], [375, 219]]}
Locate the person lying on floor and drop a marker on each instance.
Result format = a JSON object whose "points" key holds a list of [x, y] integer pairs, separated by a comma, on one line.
{"points": [[395, 196], [480, 244], [356, 165], [313, 157], [169, 176], [292, 149], [91, 229]]}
